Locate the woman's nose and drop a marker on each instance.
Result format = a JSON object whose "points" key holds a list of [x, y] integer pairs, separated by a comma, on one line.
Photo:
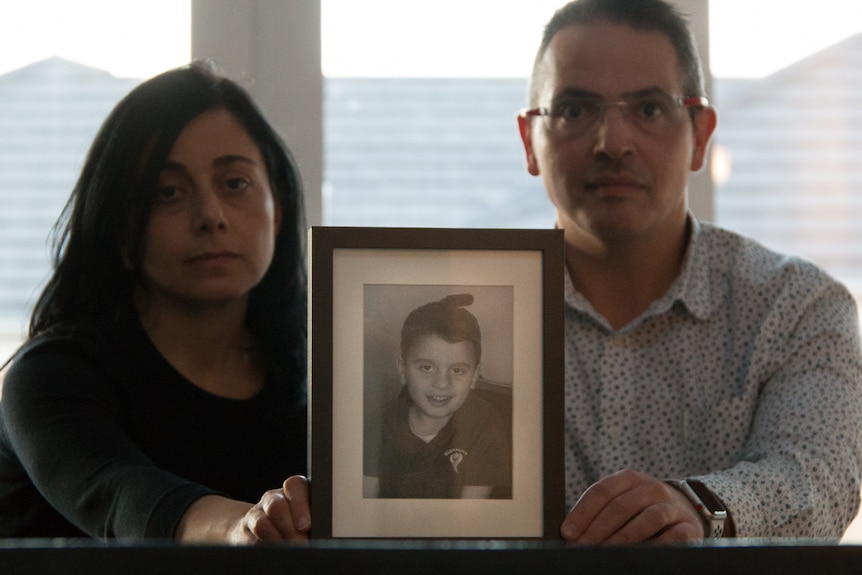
{"points": [[210, 214]]}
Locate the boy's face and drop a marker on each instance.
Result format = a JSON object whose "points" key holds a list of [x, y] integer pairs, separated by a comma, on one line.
{"points": [[439, 374]]}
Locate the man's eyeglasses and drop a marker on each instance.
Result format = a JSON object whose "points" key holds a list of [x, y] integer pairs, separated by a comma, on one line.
{"points": [[581, 114]]}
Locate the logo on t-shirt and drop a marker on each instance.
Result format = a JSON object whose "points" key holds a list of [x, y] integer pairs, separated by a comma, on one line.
{"points": [[456, 456]]}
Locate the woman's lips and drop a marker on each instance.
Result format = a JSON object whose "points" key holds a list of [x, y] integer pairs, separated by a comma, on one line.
{"points": [[213, 258]]}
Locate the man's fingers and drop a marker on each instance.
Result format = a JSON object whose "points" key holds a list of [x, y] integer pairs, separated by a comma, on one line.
{"points": [[593, 506], [630, 507]]}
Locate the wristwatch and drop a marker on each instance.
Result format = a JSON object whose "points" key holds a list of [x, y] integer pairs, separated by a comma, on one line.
{"points": [[711, 510]]}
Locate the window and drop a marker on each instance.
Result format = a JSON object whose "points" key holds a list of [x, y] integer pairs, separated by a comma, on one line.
{"points": [[62, 68], [786, 153], [419, 129]]}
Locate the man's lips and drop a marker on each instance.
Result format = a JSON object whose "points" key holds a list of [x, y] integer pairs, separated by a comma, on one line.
{"points": [[618, 182]]}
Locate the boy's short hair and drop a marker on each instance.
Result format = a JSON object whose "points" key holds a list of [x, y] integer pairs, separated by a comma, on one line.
{"points": [[447, 319]]}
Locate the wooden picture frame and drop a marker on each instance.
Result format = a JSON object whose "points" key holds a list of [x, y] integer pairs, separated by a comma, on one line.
{"points": [[363, 282]]}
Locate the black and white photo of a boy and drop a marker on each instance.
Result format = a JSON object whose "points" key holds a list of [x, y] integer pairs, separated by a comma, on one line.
{"points": [[437, 439]]}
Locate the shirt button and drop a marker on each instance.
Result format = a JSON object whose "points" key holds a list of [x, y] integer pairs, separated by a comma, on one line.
{"points": [[614, 432]]}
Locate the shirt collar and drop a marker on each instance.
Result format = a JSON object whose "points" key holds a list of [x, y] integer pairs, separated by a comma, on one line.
{"points": [[691, 288]]}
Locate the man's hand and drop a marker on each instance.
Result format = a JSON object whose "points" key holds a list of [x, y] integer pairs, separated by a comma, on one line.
{"points": [[631, 507]]}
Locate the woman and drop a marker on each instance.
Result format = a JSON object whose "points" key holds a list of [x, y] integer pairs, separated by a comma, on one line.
{"points": [[162, 388]]}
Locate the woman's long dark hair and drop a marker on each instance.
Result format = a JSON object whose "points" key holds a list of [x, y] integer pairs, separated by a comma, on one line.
{"points": [[100, 230]]}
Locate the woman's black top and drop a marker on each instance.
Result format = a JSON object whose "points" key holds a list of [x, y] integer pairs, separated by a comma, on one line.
{"points": [[100, 436]]}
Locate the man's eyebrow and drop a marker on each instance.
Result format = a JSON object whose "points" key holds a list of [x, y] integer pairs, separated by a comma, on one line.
{"points": [[575, 93], [646, 92], [582, 93]]}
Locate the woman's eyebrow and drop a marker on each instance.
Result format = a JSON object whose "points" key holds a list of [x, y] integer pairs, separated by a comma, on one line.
{"points": [[175, 167], [232, 158], [218, 162]]}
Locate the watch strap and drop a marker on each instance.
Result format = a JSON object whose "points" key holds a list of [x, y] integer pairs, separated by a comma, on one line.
{"points": [[713, 518]]}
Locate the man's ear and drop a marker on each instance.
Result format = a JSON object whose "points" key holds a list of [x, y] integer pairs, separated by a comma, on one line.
{"points": [[525, 127], [705, 121]]}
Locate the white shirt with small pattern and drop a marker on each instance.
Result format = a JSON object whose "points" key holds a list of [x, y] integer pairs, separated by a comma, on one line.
{"points": [[746, 374]]}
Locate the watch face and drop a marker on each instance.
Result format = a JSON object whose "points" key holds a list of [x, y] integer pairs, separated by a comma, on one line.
{"points": [[711, 502]]}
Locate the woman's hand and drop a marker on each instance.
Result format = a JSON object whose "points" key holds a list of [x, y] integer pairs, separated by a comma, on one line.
{"points": [[280, 515]]}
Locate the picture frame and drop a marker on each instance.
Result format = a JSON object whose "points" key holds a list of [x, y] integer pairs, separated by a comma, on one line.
{"points": [[363, 283]]}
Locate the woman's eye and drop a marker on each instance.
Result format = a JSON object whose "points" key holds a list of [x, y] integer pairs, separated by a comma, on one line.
{"points": [[167, 193], [236, 184]]}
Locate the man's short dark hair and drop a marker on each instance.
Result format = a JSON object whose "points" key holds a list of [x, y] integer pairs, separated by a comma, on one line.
{"points": [[641, 15]]}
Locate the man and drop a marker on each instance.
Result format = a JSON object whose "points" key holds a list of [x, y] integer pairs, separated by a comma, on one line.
{"points": [[691, 353]]}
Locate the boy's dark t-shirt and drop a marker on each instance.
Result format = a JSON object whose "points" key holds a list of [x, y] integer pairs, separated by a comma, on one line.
{"points": [[471, 449]]}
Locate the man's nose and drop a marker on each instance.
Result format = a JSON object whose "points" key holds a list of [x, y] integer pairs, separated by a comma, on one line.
{"points": [[613, 133]]}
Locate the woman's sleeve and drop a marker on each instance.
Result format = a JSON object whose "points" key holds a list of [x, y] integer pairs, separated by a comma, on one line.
{"points": [[65, 422]]}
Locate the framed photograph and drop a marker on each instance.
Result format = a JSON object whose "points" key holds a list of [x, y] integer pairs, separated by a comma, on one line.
{"points": [[436, 383]]}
